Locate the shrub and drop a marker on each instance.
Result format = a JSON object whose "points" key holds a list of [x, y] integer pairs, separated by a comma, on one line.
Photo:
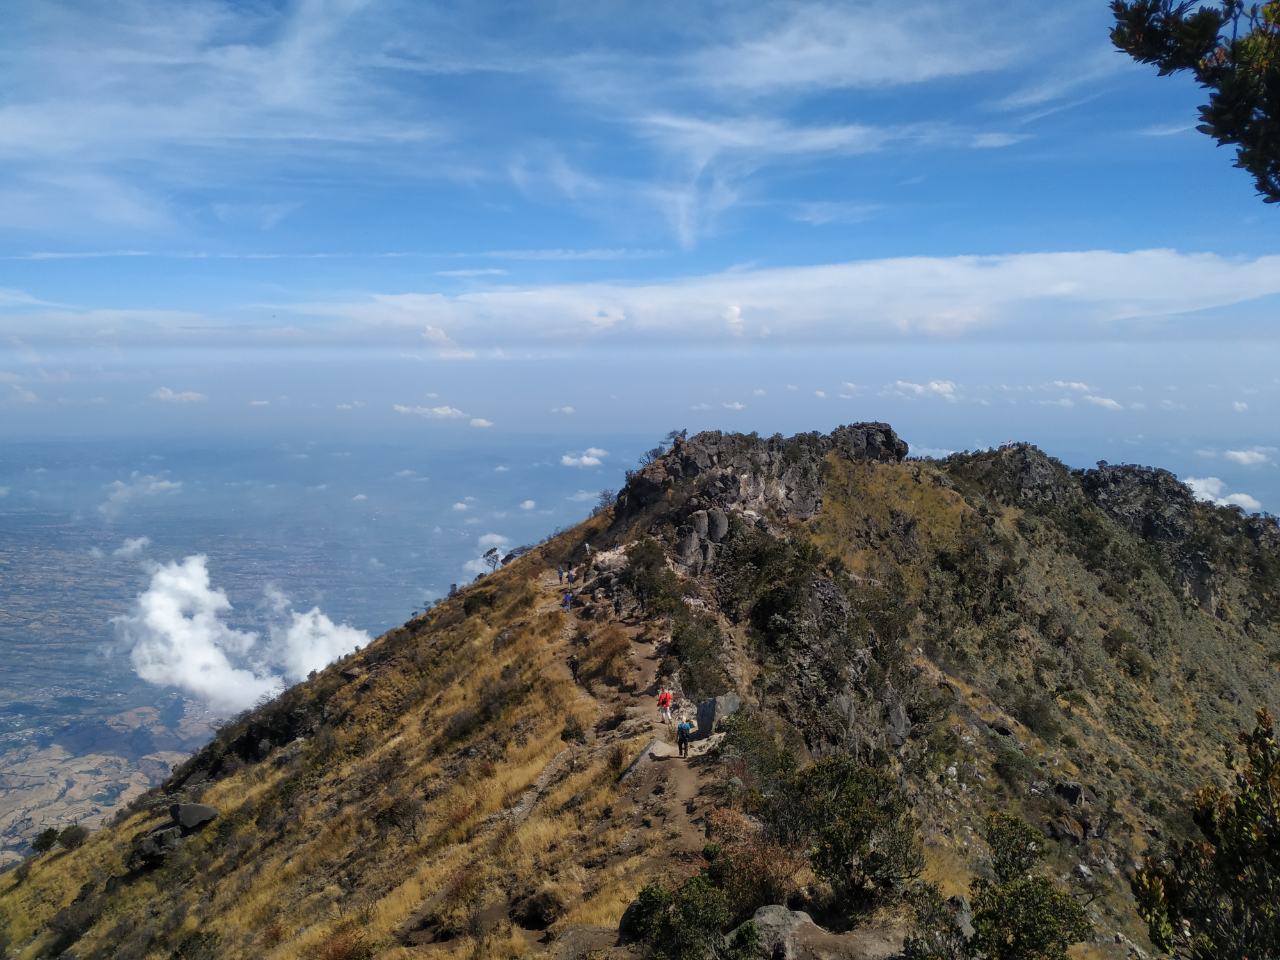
{"points": [[73, 837], [461, 723], [936, 934], [1027, 919], [689, 923], [45, 840], [477, 601], [860, 828], [1016, 846], [344, 942], [1013, 766], [1221, 899], [752, 869]]}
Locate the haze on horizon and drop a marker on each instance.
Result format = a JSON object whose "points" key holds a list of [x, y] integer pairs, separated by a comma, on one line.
{"points": [[447, 226]]}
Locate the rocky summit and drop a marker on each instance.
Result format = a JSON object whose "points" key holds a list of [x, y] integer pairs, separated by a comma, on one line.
{"points": [[914, 689]]}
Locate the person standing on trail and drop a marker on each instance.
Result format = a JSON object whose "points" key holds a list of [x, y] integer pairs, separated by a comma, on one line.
{"points": [[643, 596], [568, 601], [682, 736], [587, 547], [560, 571], [615, 543], [665, 699], [617, 608], [573, 667]]}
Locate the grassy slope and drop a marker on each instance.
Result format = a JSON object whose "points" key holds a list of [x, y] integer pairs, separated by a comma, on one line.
{"points": [[1117, 680]]}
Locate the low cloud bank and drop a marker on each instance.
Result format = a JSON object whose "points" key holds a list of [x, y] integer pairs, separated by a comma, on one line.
{"points": [[178, 637]]}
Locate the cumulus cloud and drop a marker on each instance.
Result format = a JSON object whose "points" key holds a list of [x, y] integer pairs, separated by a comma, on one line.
{"points": [[431, 413], [132, 547], [1106, 402], [444, 346], [589, 458], [1240, 406], [178, 637], [168, 396], [481, 422], [528, 505], [21, 395], [4, 491], [359, 496], [758, 392], [1247, 458], [562, 409], [734, 406], [1209, 488], [582, 496], [493, 540], [259, 403], [944, 388], [501, 469], [138, 486], [460, 506]]}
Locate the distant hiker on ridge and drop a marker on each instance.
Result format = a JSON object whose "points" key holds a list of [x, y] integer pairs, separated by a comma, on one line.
{"points": [[573, 667]]}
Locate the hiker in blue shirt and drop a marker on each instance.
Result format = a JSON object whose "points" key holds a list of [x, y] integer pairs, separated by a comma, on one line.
{"points": [[560, 571], [682, 737]]}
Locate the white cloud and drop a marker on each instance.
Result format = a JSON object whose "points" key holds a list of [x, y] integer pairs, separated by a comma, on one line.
{"points": [[596, 452], [494, 540], [701, 406], [445, 347], [138, 486], [311, 641], [945, 389], [528, 505], [501, 469], [1071, 385], [758, 392], [938, 453], [582, 496], [734, 406], [132, 547], [405, 473], [819, 393], [460, 506], [431, 413], [22, 395], [259, 403], [583, 461], [166, 395], [359, 496], [562, 409], [1239, 406], [480, 422], [1209, 488], [1247, 458], [1106, 402], [4, 491], [912, 387]]}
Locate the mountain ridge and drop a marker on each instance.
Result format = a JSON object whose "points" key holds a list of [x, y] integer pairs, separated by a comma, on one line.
{"points": [[990, 631]]}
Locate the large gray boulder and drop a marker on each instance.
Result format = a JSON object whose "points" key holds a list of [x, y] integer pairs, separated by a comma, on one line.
{"points": [[157, 845], [777, 927], [189, 816], [711, 711]]}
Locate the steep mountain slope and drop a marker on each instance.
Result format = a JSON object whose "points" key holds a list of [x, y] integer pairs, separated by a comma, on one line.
{"points": [[993, 631]]}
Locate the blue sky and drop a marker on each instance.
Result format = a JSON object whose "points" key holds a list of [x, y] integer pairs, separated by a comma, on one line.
{"points": [[427, 223]]}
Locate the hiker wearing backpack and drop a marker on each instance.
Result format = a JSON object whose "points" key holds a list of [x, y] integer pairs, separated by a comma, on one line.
{"points": [[573, 667], [683, 731], [665, 699]]}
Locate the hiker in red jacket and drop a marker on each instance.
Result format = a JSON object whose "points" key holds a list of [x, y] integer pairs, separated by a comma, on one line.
{"points": [[665, 699]]}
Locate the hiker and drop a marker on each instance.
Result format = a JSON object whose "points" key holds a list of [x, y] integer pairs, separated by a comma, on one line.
{"points": [[560, 571], [617, 608], [568, 601], [573, 667], [682, 736], [588, 549], [572, 577], [643, 597], [664, 705], [615, 543]]}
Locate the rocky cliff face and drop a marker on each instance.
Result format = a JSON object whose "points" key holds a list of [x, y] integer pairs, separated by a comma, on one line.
{"points": [[771, 480]]}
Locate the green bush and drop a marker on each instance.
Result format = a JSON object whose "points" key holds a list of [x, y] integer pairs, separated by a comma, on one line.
{"points": [[1221, 899], [937, 934], [689, 923], [1015, 845], [477, 601], [1026, 919], [73, 837], [44, 841], [863, 838]]}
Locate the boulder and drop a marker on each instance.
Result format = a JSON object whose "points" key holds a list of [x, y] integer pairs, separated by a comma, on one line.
{"points": [[189, 816], [711, 711], [1069, 791], [1001, 727], [899, 724], [1066, 830], [717, 524], [963, 911], [159, 844], [777, 927]]}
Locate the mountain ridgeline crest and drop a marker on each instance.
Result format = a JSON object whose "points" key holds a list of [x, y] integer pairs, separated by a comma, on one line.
{"points": [[881, 657]]}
